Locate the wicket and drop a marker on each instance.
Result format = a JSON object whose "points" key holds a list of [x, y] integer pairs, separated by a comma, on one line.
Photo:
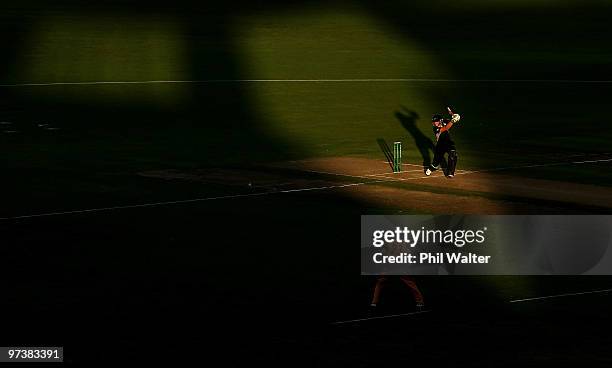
{"points": [[397, 157]]}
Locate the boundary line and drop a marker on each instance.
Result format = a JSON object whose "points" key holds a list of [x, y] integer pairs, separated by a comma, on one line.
{"points": [[339, 80]]}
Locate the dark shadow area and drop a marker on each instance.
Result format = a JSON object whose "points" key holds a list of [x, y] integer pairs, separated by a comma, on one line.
{"points": [[497, 29], [386, 150], [408, 119], [14, 34], [74, 280]]}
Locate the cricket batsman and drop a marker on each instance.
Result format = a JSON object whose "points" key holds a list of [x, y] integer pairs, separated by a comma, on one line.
{"points": [[444, 143]]}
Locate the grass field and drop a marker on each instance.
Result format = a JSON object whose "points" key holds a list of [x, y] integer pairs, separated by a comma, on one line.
{"points": [[201, 170]]}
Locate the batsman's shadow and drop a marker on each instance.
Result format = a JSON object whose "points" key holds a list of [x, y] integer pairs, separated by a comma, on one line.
{"points": [[425, 145]]}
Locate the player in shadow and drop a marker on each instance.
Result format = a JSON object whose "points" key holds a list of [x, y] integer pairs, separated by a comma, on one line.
{"points": [[383, 279], [408, 119]]}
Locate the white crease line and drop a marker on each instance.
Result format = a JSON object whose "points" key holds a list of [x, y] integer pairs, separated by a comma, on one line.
{"points": [[558, 296], [373, 176], [366, 176], [346, 80], [538, 165], [397, 173], [388, 163], [411, 171], [379, 317], [101, 209]]}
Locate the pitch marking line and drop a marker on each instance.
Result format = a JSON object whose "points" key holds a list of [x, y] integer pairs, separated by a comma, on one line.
{"points": [[157, 204], [559, 296], [411, 171], [346, 80], [365, 176], [387, 162], [538, 165]]}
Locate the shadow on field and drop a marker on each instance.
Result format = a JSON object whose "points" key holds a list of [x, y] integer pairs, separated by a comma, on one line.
{"points": [[386, 150], [408, 119], [13, 34]]}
